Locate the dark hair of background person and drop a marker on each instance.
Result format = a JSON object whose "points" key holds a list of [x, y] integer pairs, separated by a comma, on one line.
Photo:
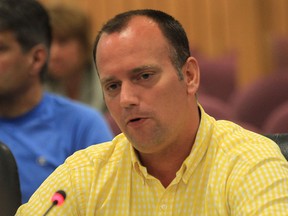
{"points": [[171, 29], [29, 23]]}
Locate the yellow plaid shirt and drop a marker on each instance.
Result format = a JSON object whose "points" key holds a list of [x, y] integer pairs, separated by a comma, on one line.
{"points": [[230, 171]]}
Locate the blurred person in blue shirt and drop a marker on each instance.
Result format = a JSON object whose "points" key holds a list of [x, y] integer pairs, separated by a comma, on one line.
{"points": [[40, 128]]}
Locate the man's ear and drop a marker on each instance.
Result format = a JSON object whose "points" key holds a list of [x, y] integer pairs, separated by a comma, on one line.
{"points": [[38, 58], [191, 74]]}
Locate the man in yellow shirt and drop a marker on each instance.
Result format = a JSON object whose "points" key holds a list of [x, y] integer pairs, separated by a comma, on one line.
{"points": [[172, 158]]}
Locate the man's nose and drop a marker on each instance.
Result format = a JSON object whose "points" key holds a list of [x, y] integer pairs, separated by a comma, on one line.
{"points": [[128, 95]]}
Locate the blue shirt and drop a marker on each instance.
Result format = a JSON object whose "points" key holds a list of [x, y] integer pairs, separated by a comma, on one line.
{"points": [[43, 138]]}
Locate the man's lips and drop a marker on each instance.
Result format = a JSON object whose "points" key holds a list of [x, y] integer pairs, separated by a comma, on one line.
{"points": [[135, 120]]}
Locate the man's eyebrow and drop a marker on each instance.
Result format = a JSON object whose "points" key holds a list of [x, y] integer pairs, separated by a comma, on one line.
{"points": [[107, 80], [145, 68], [131, 72]]}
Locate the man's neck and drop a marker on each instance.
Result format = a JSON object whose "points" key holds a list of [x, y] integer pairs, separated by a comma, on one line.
{"points": [[165, 166], [12, 106]]}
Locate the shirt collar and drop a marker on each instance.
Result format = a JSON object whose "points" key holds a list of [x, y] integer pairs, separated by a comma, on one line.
{"points": [[136, 164], [200, 145]]}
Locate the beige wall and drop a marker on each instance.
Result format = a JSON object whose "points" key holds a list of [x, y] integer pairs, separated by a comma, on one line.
{"points": [[214, 27]]}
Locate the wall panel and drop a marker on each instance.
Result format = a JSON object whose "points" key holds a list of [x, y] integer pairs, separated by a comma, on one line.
{"points": [[213, 27]]}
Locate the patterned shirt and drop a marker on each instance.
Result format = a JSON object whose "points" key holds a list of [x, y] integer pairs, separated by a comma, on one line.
{"points": [[230, 171]]}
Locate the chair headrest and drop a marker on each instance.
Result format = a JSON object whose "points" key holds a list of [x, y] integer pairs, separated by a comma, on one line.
{"points": [[282, 141]]}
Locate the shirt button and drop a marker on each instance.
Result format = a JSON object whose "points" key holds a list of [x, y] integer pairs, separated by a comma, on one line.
{"points": [[41, 161], [163, 207]]}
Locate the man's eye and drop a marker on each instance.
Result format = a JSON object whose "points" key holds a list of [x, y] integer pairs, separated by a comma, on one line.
{"points": [[145, 76], [112, 87]]}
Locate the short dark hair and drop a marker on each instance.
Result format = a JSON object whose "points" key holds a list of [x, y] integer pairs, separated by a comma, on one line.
{"points": [[29, 22], [169, 26]]}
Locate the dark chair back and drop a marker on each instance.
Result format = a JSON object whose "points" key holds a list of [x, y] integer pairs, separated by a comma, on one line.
{"points": [[282, 141], [10, 195], [254, 103], [277, 120]]}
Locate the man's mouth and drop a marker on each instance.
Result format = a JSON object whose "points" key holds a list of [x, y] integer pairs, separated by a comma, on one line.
{"points": [[134, 120]]}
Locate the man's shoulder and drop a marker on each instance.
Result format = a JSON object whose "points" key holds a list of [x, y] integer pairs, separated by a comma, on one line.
{"points": [[64, 101], [62, 104], [85, 124], [234, 140], [103, 154]]}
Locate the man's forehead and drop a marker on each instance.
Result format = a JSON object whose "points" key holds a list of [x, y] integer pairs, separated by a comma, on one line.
{"points": [[141, 23], [136, 27], [140, 33], [7, 33]]}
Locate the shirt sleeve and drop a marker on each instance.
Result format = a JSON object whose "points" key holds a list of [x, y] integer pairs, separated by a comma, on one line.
{"points": [[91, 129]]}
